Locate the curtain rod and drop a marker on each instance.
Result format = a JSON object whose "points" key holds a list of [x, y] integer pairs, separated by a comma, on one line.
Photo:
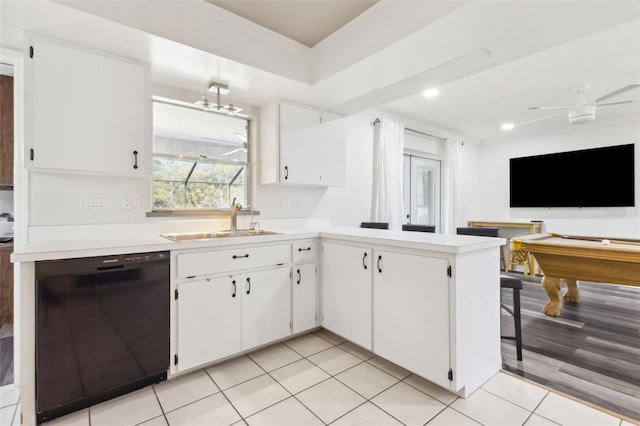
{"points": [[378, 121], [425, 134]]}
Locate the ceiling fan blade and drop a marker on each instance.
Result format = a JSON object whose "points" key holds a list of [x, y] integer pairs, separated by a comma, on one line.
{"points": [[233, 151], [617, 92], [551, 107], [628, 101], [540, 119]]}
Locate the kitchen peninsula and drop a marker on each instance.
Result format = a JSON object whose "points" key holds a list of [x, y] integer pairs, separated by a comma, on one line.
{"points": [[446, 288]]}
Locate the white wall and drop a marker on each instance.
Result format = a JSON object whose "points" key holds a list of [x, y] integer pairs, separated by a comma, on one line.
{"points": [[493, 174], [470, 173], [350, 204]]}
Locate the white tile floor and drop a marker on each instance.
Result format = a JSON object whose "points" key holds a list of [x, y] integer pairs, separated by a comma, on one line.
{"points": [[320, 379]]}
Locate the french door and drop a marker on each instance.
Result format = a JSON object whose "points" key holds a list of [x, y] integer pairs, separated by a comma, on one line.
{"points": [[421, 189]]}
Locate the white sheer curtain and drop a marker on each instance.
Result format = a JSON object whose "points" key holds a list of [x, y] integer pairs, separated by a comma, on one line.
{"points": [[388, 148], [451, 185]]}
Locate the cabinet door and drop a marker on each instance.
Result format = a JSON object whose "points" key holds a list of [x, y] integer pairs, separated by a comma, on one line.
{"points": [[300, 150], [346, 292], [411, 313], [333, 143], [208, 320], [90, 111], [266, 306], [304, 297]]}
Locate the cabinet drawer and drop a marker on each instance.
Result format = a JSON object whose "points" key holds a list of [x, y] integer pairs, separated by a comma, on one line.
{"points": [[303, 251], [217, 261]]}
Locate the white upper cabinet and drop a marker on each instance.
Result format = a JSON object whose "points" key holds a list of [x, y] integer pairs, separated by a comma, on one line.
{"points": [[90, 111], [301, 145]]}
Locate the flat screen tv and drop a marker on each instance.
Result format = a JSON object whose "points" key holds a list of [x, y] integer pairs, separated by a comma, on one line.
{"points": [[599, 177]]}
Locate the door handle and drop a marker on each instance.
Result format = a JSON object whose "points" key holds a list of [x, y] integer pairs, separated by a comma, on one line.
{"points": [[234, 288], [248, 285], [299, 277], [379, 260], [363, 258]]}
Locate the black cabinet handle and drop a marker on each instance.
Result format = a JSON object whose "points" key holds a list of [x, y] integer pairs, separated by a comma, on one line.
{"points": [[135, 157], [234, 288], [235, 256], [299, 276], [379, 259], [248, 285], [286, 172], [303, 249], [363, 258]]}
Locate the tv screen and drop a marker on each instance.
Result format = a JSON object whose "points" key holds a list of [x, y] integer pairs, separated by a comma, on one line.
{"points": [[599, 177]]}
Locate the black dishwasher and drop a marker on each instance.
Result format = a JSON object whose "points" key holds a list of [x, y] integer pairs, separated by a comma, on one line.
{"points": [[102, 329]]}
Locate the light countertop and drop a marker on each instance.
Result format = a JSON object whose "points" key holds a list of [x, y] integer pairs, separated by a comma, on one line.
{"points": [[51, 250]]}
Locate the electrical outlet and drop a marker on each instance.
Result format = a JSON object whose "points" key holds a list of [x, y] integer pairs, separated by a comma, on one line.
{"points": [[284, 204], [94, 201], [89, 201], [130, 201]]}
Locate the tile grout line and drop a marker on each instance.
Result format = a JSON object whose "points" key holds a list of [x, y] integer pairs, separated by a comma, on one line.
{"points": [[225, 395]]}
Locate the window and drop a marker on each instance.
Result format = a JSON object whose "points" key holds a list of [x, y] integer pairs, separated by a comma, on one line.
{"points": [[200, 158], [421, 188]]}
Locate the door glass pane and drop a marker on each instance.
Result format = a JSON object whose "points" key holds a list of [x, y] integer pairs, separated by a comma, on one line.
{"points": [[425, 191]]}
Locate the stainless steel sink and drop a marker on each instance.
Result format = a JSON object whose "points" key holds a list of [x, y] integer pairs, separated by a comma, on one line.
{"points": [[220, 234]]}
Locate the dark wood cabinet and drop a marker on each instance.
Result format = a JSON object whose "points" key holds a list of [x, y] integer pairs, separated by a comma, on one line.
{"points": [[6, 132], [6, 285]]}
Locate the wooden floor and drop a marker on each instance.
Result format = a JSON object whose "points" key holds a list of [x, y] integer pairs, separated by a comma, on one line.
{"points": [[591, 352], [6, 354]]}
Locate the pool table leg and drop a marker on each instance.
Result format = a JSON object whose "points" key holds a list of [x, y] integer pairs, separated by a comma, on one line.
{"points": [[573, 291], [552, 287]]}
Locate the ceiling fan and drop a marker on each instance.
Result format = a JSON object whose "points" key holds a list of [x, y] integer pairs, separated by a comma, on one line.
{"points": [[585, 111], [243, 138]]}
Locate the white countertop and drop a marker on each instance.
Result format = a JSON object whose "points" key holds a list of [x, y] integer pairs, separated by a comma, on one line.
{"points": [[51, 250]]}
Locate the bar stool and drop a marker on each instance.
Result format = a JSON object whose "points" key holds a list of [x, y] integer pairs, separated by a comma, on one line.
{"points": [[418, 228], [508, 281], [375, 225], [484, 231]]}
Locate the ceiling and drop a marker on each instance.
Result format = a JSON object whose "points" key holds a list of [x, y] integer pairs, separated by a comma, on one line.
{"points": [[491, 60], [307, 22]]}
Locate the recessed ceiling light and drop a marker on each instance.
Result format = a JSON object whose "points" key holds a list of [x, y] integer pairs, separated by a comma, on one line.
{"points": [[431, 93], [507, 126]]}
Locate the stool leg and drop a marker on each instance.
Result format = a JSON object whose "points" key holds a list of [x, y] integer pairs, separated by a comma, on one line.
{"points": [[517, 323]]}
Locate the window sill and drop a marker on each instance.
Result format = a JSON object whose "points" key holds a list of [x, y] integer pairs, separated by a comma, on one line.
{"points": [[197, 213]]}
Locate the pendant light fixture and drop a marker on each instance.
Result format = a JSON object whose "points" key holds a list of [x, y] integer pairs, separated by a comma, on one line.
{"points": [[218, 89]]}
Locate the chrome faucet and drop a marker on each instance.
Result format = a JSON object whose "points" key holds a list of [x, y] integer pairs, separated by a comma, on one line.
{"points": [[234, 214]]}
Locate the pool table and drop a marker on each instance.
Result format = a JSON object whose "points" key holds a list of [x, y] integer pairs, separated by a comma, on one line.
{"points": [[572, 258]]}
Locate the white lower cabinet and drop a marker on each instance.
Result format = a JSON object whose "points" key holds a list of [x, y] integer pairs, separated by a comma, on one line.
{"points": [[411, 313], [304, 293], [346, 292], [209, 321], [266, 306], [219, 317]]}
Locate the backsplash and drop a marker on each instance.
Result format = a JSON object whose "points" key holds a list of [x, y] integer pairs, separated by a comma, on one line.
{"points": [[81, 199]]}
